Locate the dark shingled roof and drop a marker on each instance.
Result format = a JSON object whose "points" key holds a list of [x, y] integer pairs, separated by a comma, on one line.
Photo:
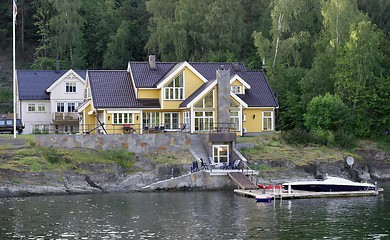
{"points": [[148, 78], [32, 84], [259, 95], [113, 89]]}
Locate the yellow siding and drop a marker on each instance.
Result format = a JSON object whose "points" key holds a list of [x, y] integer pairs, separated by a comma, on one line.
{"points": [[236, 83], [253, 124], [191, 84], [146, 93], [89, 120], [172, 104]]}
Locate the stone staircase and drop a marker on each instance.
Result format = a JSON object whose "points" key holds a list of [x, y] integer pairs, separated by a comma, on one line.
{"points": [[197, 149]]}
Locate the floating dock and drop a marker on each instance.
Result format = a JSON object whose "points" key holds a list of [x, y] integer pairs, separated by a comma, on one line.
{"points": [[280, 194]]}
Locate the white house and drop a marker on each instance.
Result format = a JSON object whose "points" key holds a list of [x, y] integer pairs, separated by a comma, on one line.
{"points": [[47, 99]]}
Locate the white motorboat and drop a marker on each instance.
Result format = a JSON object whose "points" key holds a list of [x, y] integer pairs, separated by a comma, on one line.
{"points": [[329, 184]]}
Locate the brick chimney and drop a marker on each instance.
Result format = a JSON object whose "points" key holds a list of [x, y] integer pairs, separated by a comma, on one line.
{"points": [[223, 82]]}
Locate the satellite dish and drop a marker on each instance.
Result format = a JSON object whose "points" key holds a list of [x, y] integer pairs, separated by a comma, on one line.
{"points": [[350, 161]]}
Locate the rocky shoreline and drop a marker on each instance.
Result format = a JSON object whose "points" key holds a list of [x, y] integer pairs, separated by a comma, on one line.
{"points": [[375, 168], [92, 178]]}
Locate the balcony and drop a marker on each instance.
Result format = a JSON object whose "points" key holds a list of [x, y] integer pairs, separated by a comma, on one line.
{"points": [[65, 116]]}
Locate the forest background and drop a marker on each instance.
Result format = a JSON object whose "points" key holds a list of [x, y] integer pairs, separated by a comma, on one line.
{"points": [[327, 60]]}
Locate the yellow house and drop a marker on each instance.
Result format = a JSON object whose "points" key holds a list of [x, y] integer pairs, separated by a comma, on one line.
{"points": [[151, 97]]}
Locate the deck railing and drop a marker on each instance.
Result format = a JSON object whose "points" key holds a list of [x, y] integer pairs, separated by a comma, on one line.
{"points": [[151, 128]]}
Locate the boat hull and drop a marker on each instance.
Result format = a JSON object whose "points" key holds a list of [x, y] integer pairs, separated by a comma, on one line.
{"points": [[329, 188]]}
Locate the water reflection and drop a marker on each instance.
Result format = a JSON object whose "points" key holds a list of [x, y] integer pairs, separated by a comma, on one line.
{"points": [[192, 215]]}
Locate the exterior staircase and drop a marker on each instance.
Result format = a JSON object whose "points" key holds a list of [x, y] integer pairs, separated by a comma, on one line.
{"points": [[197, 149]]}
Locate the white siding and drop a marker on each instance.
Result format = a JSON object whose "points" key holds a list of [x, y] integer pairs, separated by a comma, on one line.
{"points": [[34, 118]]}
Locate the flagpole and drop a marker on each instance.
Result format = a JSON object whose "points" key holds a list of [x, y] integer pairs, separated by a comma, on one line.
{"points": [[14, 67]]}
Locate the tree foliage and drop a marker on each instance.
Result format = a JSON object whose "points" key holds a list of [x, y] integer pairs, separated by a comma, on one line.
{"points": [[323, 54]]}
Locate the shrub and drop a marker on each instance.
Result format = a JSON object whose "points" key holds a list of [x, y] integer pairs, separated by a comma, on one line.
{"points": [[51, 155], [345, 139], [296, 136]]}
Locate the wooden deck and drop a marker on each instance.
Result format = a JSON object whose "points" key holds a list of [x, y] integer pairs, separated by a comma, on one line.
{"points": [[280, 194]]}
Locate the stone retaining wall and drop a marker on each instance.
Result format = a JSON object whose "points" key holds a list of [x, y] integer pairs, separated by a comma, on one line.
{"points": [[136, 143], [198, 180]]}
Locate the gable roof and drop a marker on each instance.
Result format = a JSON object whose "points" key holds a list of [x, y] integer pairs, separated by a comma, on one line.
{"points": [[175, 70], [32, 84], [202, 91], [242, 81], [65, 75], [114, 89]]}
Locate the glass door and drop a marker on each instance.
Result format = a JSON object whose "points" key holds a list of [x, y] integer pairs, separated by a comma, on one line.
{"points": [[221, 154]]}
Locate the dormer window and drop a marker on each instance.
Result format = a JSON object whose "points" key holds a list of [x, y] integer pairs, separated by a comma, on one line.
{"points": [[175, 89], [236, 89], [70, 87]]}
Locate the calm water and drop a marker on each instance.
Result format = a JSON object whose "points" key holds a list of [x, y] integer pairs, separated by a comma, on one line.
{"points": [[193, 215]]}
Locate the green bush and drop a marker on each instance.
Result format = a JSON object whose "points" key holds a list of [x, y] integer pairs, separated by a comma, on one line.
{"points": [[345, 139], [51, 155], [296, 136]]}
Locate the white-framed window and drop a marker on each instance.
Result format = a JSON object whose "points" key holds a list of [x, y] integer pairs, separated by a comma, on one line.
{"points": [[70, 87], [87, 93], [268, 121], [206, 102], [31, 107], [236, 89], [71, 107], [41, 107], [204, 121], [122, 118], [151, 119], [175, 89], [60, 107], [187, 120], [171, 120], [221, 153], [235, 120]]}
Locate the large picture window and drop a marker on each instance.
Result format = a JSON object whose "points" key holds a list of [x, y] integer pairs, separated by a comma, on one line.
{"points": [[151, 119], [268, 121], [175, 89], [204, 121], [206, 102], [171, 120], [122, 118]]}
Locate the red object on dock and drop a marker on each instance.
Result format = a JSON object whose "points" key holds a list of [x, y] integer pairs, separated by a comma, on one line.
{"points": [[269, 186]]}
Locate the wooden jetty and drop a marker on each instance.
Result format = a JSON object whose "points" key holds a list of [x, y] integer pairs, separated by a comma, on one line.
{"points": [[281, 194]]}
